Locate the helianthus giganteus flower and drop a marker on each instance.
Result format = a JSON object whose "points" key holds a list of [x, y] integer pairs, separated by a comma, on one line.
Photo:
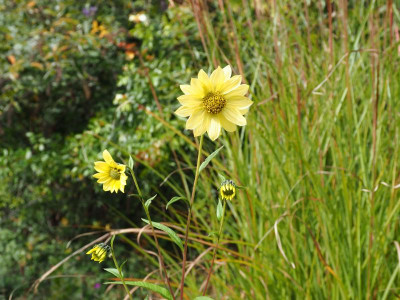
{"points": [[214, 102], [111, 174], [99, 252], [227, 190]]}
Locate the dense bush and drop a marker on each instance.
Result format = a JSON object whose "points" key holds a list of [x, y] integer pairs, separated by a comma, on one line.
{"points": [[65, 63]]}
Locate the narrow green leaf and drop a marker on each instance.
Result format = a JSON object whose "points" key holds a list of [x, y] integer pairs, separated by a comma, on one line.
{"points": [[203, 298], [240, 187], [113, 271], [209, 158], [174, 199], [174, 237], [130, 164], [219, 210], [148, 201], [134, 195], [120, 267], [221, 177], [150, 286]]}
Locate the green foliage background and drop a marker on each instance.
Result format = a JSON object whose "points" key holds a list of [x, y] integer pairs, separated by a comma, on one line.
{"points": [[322, 134]]}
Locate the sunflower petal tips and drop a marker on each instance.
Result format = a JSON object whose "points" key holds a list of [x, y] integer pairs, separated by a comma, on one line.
{"points": [[185, 89], [99, 252], [227, 71]]}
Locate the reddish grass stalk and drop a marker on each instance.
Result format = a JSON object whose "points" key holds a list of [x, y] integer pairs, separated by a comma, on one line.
{"points": [[375, 88], [329, 5]]}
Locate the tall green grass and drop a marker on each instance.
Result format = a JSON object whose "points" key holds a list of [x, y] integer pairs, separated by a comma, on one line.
{"points": [[319, 216]]}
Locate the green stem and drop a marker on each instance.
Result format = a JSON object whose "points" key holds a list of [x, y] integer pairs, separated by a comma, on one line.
{"points": [[153, 232], [119, 271], [221, 224], [196, 176]]}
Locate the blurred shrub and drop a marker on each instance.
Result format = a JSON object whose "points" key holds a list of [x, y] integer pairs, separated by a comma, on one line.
{"points": [[64, 64]]}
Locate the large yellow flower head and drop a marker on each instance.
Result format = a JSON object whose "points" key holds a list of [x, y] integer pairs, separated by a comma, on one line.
{"points": [[214, 102], [111, 174]]}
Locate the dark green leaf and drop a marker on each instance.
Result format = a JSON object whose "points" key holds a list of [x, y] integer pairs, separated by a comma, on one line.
{"points": [[148, 201], [175, 238], [209, 158], [174, 199], [113, 271]]}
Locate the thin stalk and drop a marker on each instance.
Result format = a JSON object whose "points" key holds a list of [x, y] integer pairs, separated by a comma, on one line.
{"points": [[221, 224], [153, 232], [119, 270], [196, 176]]}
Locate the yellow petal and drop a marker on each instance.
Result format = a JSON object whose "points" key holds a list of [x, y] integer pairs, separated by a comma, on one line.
{"points": [[214, 130], [217, 78], [197, 87], [233, 115], [122, 187], [107, 157], [227, 71], [91, 251], [106, 186], [191, 90], [100, 175], [104, 180], [205, 81], [227, 125], [189, 100], [117, 185], [230, 84], [239, 102], [202, 128], [241, 90], [195, 119], [244, 111], [186, 89], [101, 166], [184, 111]]}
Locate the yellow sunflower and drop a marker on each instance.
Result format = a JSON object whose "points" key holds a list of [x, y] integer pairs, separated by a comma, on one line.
{"points": [[214, 102], [111, 174]]}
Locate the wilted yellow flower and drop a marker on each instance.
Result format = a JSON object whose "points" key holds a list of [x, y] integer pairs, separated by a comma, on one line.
{"points": [[227, 190], [99, 252], [111, 174], [214, 102]]}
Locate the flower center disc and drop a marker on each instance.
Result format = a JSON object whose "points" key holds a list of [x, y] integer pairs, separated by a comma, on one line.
{"points": [[214, 103], [114, 174]]}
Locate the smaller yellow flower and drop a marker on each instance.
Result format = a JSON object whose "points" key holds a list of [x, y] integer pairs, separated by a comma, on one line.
{"points": [[99, 252], [227, 190], [111, 174]]}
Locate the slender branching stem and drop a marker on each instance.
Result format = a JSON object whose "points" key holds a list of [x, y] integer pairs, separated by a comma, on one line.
{"points": [[119, 271], [221, 224], [196, 176], [154, 233]]}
